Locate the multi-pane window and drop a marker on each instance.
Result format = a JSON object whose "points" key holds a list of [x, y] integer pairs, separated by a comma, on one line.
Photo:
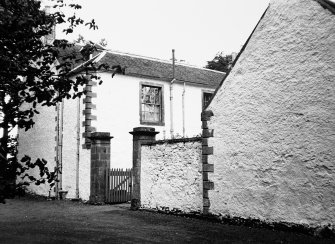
{"points": [[206, 97], [151, 104]]}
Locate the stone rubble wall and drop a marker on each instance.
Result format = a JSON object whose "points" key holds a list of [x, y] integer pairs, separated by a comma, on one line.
{"points": [[171, 175]]}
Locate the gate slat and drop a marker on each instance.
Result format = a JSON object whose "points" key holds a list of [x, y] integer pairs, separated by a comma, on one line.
{"points": [[119, 185], [114, 182], [112, 185], [124, 186], [106, 189]]}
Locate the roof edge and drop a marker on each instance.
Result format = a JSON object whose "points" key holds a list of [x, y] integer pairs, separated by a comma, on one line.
{"points": [[237, 57], [330, 5], [162, 61], [77, 69], [101, 55], [164, 79]]}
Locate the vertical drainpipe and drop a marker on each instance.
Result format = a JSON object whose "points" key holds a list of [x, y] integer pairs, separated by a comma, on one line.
{"points": [[171, 95], [78, 148], [183, 107], [57, 151], [61, 145]]}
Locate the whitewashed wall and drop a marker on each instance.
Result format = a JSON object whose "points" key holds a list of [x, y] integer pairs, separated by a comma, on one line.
{"points": [[171, 176], [118, 112], [40, 142], [69, 159], [274, 121], [84, 165]]}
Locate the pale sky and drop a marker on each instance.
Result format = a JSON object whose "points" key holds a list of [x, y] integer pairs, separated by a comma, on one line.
{"points": [[196, 29]]}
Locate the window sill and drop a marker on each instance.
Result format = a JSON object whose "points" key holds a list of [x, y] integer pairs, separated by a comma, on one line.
{"points": [[152, 123]]}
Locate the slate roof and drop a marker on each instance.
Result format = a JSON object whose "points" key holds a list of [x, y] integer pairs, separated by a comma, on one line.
{"points": [[162, 70], [64, 54], [72, 54]]}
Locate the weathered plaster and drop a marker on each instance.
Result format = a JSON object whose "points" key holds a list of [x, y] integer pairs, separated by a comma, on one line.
{"points": [[274, 121], [84, 164], [69, 148], [171, 176], [30, 143], [40, 142], [70, 152]]}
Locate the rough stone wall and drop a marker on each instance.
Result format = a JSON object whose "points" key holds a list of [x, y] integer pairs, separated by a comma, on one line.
{"points": [[171, 176], [274, 121]]}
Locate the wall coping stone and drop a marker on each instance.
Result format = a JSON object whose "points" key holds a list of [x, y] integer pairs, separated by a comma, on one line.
{"points": [[100, 135], [171, 141], [149, 129], [143, 131]]}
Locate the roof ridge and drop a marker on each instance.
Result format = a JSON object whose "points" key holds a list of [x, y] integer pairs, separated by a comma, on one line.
{"points": [[160, 60]]}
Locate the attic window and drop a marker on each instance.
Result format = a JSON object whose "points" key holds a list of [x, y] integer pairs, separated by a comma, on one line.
{"points": [[206, 97], [151, 104]]}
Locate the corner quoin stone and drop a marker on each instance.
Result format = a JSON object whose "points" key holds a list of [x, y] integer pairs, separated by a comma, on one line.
{"points": [[206, 150], [206, 115], [208, 168], [208, 185], [206, 133]]}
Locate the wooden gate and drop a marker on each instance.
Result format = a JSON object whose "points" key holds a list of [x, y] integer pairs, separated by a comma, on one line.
{"points": [[119, 185]]}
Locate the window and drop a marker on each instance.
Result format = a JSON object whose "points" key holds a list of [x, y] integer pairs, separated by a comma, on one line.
{"points": [[206, 97], [151, 104]]}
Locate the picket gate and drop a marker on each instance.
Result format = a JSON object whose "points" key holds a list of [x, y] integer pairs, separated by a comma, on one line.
{"points": [[119, 185]]}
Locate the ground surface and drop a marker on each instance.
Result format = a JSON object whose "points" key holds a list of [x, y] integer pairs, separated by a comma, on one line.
{"points": [[39, 221]]}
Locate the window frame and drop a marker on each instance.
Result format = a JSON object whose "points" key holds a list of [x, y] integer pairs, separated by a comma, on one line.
{"points": [[162, 117], [203, 91]]}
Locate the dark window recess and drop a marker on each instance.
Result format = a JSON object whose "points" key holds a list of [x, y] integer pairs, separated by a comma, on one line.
{"points": [[151, 104], [206, 98]]}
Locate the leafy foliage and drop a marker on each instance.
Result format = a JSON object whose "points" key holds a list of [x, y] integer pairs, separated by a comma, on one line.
{"points": [[28, 70], [220, 62], [10, 168], [81, 40], [34, 70]]}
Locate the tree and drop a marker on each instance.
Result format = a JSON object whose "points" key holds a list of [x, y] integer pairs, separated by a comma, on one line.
{"points": [[103, 42], [82, 41], [29, 75], [220, 62]]}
